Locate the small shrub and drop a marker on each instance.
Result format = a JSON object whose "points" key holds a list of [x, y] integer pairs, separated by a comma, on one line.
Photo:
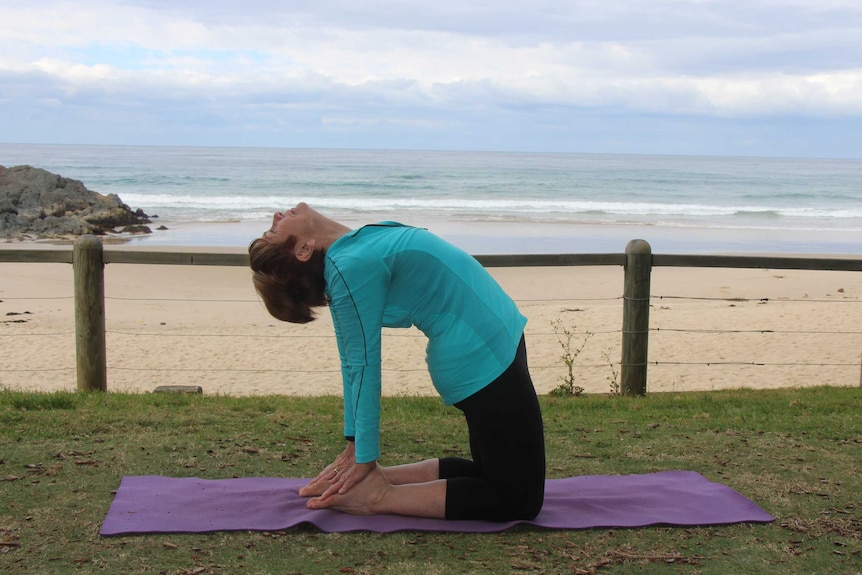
{"points": [[568, 388], [614, 377]]}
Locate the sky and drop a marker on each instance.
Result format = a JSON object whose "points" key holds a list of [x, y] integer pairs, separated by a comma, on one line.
{"points": [[704, 77]]}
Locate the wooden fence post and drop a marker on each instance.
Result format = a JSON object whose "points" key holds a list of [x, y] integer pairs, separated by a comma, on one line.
{"points": [[636, 294], [90, 355]]}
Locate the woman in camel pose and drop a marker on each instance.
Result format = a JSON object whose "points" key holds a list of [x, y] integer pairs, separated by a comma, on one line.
{"points": [[391, 275]]}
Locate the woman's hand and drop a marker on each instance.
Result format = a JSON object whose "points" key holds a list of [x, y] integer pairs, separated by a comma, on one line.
{"points": [[365, 498], [342, 484], [339, 476]]}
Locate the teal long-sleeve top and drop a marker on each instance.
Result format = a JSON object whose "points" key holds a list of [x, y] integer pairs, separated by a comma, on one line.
{"points": [[391, 275]]}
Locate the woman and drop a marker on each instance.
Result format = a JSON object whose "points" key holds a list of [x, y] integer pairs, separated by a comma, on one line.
{"points": [[391, 275]]}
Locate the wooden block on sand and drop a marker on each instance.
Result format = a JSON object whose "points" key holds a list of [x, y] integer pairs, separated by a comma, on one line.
{"points": [[178, 389]]}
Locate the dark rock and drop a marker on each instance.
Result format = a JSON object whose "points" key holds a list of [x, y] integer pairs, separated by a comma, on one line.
{"points": [[137, 229], [35, 203]]}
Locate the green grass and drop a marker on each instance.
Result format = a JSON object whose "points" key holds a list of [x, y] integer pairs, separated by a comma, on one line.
{"points": [[797, 453]]}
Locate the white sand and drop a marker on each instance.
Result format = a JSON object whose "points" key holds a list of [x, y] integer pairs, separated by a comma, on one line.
{"points": [[196, 325]]}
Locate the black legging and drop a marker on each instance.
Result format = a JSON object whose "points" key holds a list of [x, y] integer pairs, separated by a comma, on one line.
{"points": [[505, 480]]}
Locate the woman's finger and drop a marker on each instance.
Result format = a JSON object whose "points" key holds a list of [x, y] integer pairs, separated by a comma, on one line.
{"points": [[322, 482]]}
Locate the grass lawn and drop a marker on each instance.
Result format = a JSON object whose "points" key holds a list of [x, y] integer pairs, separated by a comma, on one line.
{"points": [[797, 453]]}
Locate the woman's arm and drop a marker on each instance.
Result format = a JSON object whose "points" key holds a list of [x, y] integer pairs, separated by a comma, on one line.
{"points": [[357, 289]]}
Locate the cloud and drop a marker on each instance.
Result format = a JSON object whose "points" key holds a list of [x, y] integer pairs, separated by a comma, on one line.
{"points": [[428, 66]]}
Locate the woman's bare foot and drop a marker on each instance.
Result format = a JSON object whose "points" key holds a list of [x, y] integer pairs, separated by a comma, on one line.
{"points": [[364, 498]]}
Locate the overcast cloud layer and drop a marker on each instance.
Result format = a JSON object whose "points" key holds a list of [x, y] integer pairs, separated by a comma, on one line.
{"points": [[734, 77]]}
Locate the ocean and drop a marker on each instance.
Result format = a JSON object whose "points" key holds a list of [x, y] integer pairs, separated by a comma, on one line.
{"points": [[485, 202]]}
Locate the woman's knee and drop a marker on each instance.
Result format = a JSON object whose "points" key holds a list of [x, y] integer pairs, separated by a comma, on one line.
{"points": [[522, 504], [532, 506], [529, 504]]}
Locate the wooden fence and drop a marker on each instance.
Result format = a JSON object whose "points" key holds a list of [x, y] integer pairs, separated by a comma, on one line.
{"points": [[89, 258]]}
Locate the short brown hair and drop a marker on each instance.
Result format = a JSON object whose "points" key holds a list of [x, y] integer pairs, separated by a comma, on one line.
{"points": [[290, 288]]}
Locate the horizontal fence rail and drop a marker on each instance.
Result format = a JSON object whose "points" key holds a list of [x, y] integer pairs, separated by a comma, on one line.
{"points": [[89, 257], [761, 262], [513, 260], [240, 260]]}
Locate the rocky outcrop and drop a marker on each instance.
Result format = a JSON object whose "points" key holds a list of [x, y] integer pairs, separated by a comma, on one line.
{"points": [[36, 204]]}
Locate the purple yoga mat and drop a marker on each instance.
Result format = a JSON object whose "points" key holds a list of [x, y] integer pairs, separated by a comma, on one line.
{"points": [[156, 504]]}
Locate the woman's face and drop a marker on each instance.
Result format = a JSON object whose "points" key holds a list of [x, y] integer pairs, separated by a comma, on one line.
{"points": [[298, 222]]}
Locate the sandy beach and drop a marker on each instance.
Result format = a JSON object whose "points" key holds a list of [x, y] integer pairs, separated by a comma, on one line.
{"points": [[197, 325]]}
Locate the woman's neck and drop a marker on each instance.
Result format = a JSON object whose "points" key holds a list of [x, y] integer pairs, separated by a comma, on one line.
{"points": [[330, 233]]}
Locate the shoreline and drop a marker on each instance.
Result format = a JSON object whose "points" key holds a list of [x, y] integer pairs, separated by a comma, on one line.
{"points": [[493, 238]]}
